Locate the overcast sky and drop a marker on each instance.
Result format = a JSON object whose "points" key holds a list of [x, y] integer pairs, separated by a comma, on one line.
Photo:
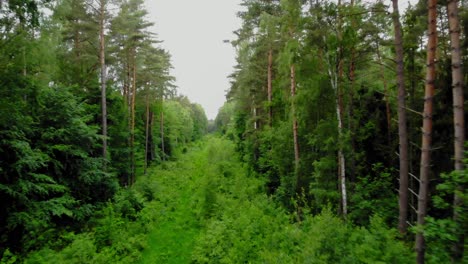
{"points": [[193, 33]]}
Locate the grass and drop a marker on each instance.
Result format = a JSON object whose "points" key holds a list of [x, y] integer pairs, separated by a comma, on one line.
{"points": [[175, 232]]}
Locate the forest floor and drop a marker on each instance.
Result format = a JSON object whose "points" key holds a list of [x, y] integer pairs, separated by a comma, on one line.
{"points": [[205, 207], [185, 199], [173, 236], [209, 209]]}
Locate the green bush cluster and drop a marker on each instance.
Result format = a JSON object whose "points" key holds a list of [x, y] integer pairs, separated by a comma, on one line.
{"points": [[242, 224], [117, 233]]}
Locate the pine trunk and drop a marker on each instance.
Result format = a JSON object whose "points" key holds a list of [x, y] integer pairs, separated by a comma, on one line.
{"points": [[402, 127], [102, 61], [458, 117], [427, 128]]}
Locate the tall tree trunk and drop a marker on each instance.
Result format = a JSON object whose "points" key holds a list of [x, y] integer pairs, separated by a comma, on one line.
{"points": [[161, 126], [341, 157], [102, 61], [295, 126], [402, 127], [386, 97], [458, 117], [132, 129], [151, 140], [147, 132], [339, 113], [269, 89], [427, 127]]}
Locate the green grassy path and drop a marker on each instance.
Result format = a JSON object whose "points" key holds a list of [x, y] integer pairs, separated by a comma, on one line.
{"points": [[177, 227], [209, 210]]}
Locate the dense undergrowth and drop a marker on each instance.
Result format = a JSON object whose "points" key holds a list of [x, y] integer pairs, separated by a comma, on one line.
{"points": [[204, 208]]}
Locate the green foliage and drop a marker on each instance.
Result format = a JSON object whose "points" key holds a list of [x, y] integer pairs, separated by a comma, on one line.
{"points": [[223, 120], [200, 121], [248, 226], [373, 192], [118, 234], [442, 233], [48, 173]]}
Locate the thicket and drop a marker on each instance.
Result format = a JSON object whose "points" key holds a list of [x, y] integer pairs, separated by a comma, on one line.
{"points": [[313, 110], [241, 223], [59, 189]]}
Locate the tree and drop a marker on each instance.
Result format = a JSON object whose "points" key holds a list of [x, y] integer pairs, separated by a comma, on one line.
{"points": [[335, 63], [292, 16], [427, 128], [402, 129], [102, 61], [129, 31], [458, 114]]}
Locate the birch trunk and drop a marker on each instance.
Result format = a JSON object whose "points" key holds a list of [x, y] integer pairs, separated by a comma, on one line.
{"points": [[161, 125], [147, 132], [269, 89], [132, 129], [295, 126], [102, 61], [339, 113]]}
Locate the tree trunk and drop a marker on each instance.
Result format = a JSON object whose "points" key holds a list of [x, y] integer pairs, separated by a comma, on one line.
{"points": [[339, 113], [151, 140], [161, 125], [132, 129], [147, 132], [402, 128], [427, 128], [102, 61], [386, 97], [341, 157], [458, 117], [293, 110], [269, 90]]}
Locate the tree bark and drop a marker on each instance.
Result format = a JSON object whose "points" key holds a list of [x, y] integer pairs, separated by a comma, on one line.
{"points": [[147, 132], [295, 126], [402, 126], [427, 128], [386, 97], [161, 127], [151, 140], [102, 61], [458, 117], [341, 157], [269, 89], [339, 113], [132, 129]]}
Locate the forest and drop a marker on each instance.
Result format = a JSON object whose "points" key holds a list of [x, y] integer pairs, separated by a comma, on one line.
{"points": [[342, 138]]}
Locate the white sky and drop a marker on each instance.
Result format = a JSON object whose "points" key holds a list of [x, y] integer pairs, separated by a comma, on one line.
{"points": [[193, 33]]}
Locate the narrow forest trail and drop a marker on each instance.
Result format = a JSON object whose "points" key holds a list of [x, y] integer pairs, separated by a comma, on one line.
{"points": [[173, 236], [186, 199], [209, 210]]}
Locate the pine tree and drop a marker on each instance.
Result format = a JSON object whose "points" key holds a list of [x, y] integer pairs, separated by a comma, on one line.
{"points": [[458, 116], [427, 128], [402, 129]]}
